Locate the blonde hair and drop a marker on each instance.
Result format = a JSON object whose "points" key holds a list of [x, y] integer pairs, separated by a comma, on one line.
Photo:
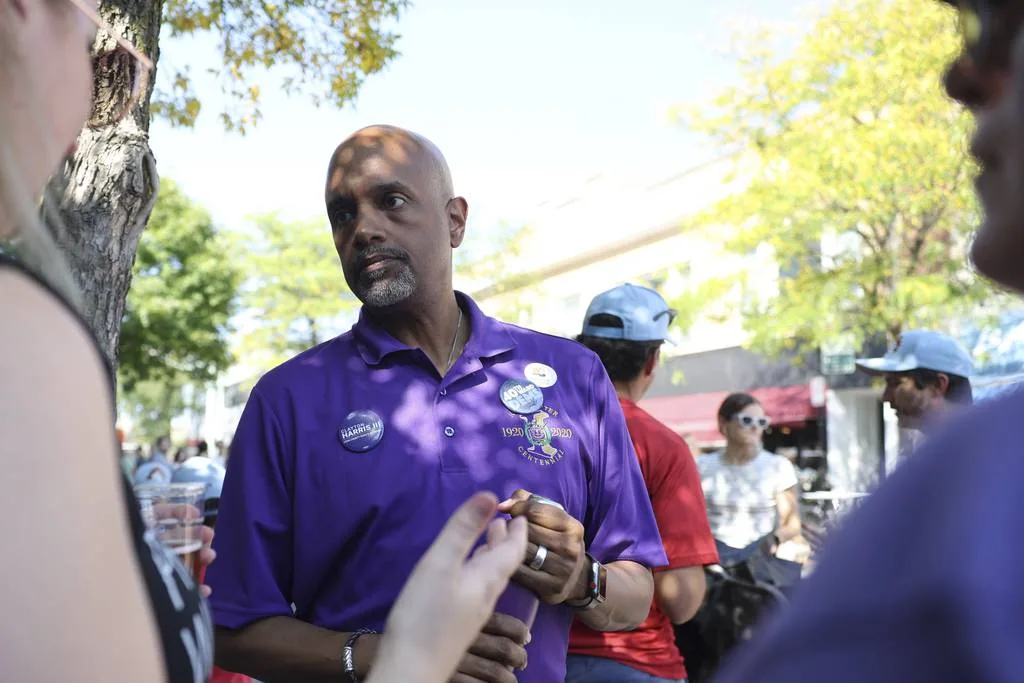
{"points": [[32, 241]]}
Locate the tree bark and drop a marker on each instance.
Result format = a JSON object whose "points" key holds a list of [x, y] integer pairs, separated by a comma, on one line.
{"points": [[107, 189]]}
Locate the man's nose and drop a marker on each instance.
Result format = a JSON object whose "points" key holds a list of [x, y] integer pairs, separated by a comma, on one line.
{"points": [[973, 86], [369, 228]]}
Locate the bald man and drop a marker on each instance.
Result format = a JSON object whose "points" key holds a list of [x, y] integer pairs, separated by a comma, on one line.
{"points": [[349, 457]]}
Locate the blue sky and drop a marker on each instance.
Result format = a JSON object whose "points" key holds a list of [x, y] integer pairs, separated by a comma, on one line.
{"points": [[526, 99]]}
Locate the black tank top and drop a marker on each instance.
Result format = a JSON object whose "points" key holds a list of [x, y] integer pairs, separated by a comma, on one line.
{"points": [[182, 616]]}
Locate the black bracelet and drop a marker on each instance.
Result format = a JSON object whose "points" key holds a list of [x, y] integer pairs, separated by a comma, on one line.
{"points": [[348, 653]]}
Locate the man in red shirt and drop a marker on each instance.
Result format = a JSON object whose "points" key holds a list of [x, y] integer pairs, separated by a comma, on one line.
{"points": [[626, 327]]}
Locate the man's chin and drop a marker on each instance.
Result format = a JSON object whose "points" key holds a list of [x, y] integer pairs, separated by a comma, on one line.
{"points": [[384, 295], [997, 250], [906, 422]]}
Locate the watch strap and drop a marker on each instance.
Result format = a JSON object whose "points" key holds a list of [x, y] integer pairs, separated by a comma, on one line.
{"points": [[595, 591]]}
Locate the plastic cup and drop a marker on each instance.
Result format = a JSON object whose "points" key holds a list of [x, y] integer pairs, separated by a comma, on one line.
{"points": [[174, 513]]}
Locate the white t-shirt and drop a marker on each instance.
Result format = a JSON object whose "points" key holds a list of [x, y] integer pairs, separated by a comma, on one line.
{"points": [[741, 498]]}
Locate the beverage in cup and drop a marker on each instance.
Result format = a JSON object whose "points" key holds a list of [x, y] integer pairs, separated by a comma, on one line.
{"points": [[174, 513]]}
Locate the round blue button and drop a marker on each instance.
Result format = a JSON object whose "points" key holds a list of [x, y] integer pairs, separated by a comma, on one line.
{"points": [[521, 397], [361, 431]]}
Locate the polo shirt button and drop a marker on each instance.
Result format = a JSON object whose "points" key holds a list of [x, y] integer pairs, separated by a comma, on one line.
{"points": [[444, 392], [449, 431]]}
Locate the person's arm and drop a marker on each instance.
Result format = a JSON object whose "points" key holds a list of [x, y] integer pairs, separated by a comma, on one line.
{"points": [[678, 501], [251, 579], [789, 515], [619, 529], [630, 591], [288, 650], [65, 529], [439, 612], [680, 592]]}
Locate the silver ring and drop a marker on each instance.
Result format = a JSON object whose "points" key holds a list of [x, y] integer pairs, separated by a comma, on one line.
{"points": [[538, 560]]}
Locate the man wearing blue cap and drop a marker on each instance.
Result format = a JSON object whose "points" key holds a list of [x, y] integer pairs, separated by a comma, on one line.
{"points": [[626, 327], [925, 374]]}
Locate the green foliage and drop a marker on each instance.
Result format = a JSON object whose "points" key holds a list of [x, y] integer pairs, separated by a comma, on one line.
{"points": [[855, 174], [295, 295], [175, 326], [151, 405], [495, 265], [323, 49]]}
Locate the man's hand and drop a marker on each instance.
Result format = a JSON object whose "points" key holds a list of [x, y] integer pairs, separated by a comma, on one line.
{"points": [[206, 556], [499, 650], [562, 576], [189, 515]]}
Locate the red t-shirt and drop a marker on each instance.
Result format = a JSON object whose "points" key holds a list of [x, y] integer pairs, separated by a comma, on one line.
{"points": [[673, 483]]}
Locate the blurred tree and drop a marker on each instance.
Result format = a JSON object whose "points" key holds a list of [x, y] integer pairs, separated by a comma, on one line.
{"points": [[151, 405], [855, 174], [175, 326], [295, 295], [491, 266], [103, 196]]}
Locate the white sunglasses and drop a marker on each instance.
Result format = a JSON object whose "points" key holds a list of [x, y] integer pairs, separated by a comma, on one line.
{"points": [[761, 422]]}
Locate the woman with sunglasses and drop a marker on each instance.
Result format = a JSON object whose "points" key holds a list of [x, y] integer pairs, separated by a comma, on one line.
{"points": [[88, 596], [750, 493]]}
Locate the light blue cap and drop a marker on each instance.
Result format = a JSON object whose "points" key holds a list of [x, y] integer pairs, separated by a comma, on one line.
{"points": [[645, 315], [922, 350]]}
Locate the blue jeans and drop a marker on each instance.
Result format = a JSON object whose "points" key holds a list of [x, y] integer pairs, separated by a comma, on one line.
{"points": [[600, 670]]}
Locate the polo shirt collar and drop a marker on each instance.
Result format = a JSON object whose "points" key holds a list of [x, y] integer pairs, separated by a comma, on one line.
{"points": [[488, 338]]}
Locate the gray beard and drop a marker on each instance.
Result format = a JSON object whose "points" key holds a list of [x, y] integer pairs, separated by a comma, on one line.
{"points": [[384, 291]]}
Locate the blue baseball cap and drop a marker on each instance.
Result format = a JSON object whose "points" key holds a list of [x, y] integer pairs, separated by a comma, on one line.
{"points": [[644, 314], [922, 350]]}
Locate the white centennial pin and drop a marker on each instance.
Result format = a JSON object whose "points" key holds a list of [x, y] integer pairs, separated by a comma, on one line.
{"points": [[542, 375]]}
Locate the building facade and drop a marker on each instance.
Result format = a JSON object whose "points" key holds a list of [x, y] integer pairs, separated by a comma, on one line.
{"points": [[833, 426]]}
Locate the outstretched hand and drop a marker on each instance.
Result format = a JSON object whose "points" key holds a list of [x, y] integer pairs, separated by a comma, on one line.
{"points": [[448, 598]]}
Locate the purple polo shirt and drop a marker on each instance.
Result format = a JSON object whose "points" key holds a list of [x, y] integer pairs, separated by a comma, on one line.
{"points": [[305, 520], [924, 582]]}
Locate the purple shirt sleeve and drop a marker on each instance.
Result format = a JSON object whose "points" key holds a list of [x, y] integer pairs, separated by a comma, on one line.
{"points": [[923, 583], [620, 523], [252, 573]]}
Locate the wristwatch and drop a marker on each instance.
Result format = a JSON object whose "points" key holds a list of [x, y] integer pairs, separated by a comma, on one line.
{"points": [[597, 586]]}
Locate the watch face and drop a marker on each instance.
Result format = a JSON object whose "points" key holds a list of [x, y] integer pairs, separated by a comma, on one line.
{"points": [[602, 582]]}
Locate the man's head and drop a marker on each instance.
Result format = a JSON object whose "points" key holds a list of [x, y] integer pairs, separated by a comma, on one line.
{"points": [[924, 374], [393, 215], [988, 77], [626, 327]]}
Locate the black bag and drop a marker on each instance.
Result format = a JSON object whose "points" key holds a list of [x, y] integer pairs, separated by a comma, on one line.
{"points": [[745, 585]]}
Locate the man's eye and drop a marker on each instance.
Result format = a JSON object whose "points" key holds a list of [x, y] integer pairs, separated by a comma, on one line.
{"points": [[342, 216], [394, 201]]}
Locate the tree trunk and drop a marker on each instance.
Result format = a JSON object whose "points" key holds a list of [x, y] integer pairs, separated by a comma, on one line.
{"points": [[106, 191]]}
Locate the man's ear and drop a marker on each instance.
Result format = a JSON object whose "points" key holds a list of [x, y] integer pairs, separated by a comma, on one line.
{"points": [[652, 362], [458, 212], [942, 383]]}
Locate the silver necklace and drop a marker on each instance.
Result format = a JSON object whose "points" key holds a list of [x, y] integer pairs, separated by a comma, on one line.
{"points": [[455, 341]]}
